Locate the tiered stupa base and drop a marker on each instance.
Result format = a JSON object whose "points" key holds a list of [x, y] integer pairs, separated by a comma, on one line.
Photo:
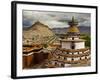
{"points": [[70, 58]]}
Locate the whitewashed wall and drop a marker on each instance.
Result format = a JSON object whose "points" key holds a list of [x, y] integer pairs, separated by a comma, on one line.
{"points": [[66, 45], [79, 45]]}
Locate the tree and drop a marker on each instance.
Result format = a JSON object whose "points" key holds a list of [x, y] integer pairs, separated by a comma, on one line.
{"points": [[45, 45], [88, 40]]}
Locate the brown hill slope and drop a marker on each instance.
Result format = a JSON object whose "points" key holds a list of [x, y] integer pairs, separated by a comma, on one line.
{"points": [[37, 33]]}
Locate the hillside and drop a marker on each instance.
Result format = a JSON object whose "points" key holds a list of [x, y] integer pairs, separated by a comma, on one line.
{"points": [[37, 33]]}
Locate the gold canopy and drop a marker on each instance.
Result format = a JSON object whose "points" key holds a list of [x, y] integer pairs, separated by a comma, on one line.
{"points": [[73, 26], [73, 29]]}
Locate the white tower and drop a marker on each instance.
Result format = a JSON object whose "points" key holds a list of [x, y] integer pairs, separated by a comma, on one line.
{"points": [[73, 40]]}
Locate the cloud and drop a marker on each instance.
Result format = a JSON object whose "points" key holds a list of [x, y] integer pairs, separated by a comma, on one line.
{"points": [[54, 19]]}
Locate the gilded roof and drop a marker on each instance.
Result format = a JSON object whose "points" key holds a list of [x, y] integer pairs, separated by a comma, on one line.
{"points": [[73, 29], [73, 26]]}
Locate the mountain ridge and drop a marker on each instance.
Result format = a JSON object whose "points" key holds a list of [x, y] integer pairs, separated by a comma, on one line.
{"points": [[37, 33]]}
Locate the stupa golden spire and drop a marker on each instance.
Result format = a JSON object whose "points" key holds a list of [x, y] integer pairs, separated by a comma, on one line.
{"points": [[73, 26]]}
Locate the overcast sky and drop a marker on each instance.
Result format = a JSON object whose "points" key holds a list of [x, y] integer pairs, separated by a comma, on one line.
{"points": [[54, 19]]}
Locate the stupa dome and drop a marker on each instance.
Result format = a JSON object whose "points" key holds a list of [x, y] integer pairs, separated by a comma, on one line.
{"points": [[73, 29]]}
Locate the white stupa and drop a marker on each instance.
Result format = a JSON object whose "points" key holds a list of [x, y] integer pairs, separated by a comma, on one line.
{"points": [[73, 40], [72, 51]]}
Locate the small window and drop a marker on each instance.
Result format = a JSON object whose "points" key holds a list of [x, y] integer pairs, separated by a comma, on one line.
{"points": [[72, 59], [72, 38], [72, 45]]}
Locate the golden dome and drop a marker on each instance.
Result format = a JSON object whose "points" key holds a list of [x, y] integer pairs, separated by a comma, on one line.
{"points": [[73, 26], [73, 29]]}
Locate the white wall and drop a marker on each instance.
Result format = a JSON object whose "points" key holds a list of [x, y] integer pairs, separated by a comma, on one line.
{"points": [[5, 43], [66, 45], [79, 45]]}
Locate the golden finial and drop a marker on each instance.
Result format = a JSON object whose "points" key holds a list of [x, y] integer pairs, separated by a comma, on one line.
{"points": [[73, 21]]}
